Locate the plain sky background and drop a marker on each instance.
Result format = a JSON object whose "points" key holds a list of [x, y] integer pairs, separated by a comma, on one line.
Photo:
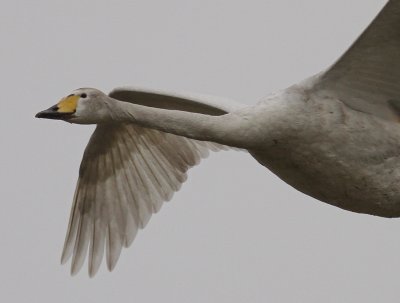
{"points": [[235, 232]]}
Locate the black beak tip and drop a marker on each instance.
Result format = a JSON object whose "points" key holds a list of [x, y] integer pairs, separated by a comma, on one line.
{"points": [[38, 115], [50, 113]]}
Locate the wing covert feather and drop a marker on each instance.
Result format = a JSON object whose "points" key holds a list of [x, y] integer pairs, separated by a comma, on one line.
{"points": [[367, 76]]}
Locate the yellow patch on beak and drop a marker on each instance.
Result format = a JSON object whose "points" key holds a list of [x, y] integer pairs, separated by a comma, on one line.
{"points": [[68, 104]]}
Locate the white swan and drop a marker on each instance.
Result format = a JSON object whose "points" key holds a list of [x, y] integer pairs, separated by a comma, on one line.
{"points": [[334, 136]]}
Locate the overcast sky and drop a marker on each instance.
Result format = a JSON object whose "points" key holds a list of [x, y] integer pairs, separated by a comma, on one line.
{"points": [[235, 232]]}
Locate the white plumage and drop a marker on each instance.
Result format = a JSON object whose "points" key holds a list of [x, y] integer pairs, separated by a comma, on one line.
{"points": [[334, 136], [127, 172]]}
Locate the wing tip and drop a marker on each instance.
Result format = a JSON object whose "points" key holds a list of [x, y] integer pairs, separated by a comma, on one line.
{"points": [[64, 257], [92, 271], [111, 263]]}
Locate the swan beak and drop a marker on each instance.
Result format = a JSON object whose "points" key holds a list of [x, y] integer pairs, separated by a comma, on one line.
{"points": [[50, 113], [62, 110]]}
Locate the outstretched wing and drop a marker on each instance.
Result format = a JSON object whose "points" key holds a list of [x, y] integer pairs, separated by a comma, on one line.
{"points": [[195, 103], [367, 76], [127, 172]]}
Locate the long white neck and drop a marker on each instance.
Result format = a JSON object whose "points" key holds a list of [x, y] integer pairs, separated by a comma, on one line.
{"points": [[228, 129]]}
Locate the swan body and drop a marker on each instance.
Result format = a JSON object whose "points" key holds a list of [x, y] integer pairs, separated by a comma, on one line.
{"points": [[337, 155], [334, 136]]}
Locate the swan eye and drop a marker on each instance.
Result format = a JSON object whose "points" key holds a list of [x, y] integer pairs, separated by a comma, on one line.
{"points": [[83, 95]]}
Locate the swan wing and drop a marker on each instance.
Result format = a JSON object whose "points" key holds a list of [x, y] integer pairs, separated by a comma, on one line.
{"points": [[367, 76], [126, 173], [197, 103]]}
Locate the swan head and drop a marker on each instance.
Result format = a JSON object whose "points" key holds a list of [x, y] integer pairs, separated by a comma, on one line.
{"points": [[82, 106]]}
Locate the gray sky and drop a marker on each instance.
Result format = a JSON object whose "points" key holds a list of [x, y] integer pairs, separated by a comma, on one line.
{"points": [[235, 232]]}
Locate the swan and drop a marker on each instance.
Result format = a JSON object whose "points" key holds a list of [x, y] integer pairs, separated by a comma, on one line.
{"points": [[334, 136]]}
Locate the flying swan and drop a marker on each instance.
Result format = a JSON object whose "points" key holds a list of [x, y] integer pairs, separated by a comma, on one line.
{"points": [[334, 136]]}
